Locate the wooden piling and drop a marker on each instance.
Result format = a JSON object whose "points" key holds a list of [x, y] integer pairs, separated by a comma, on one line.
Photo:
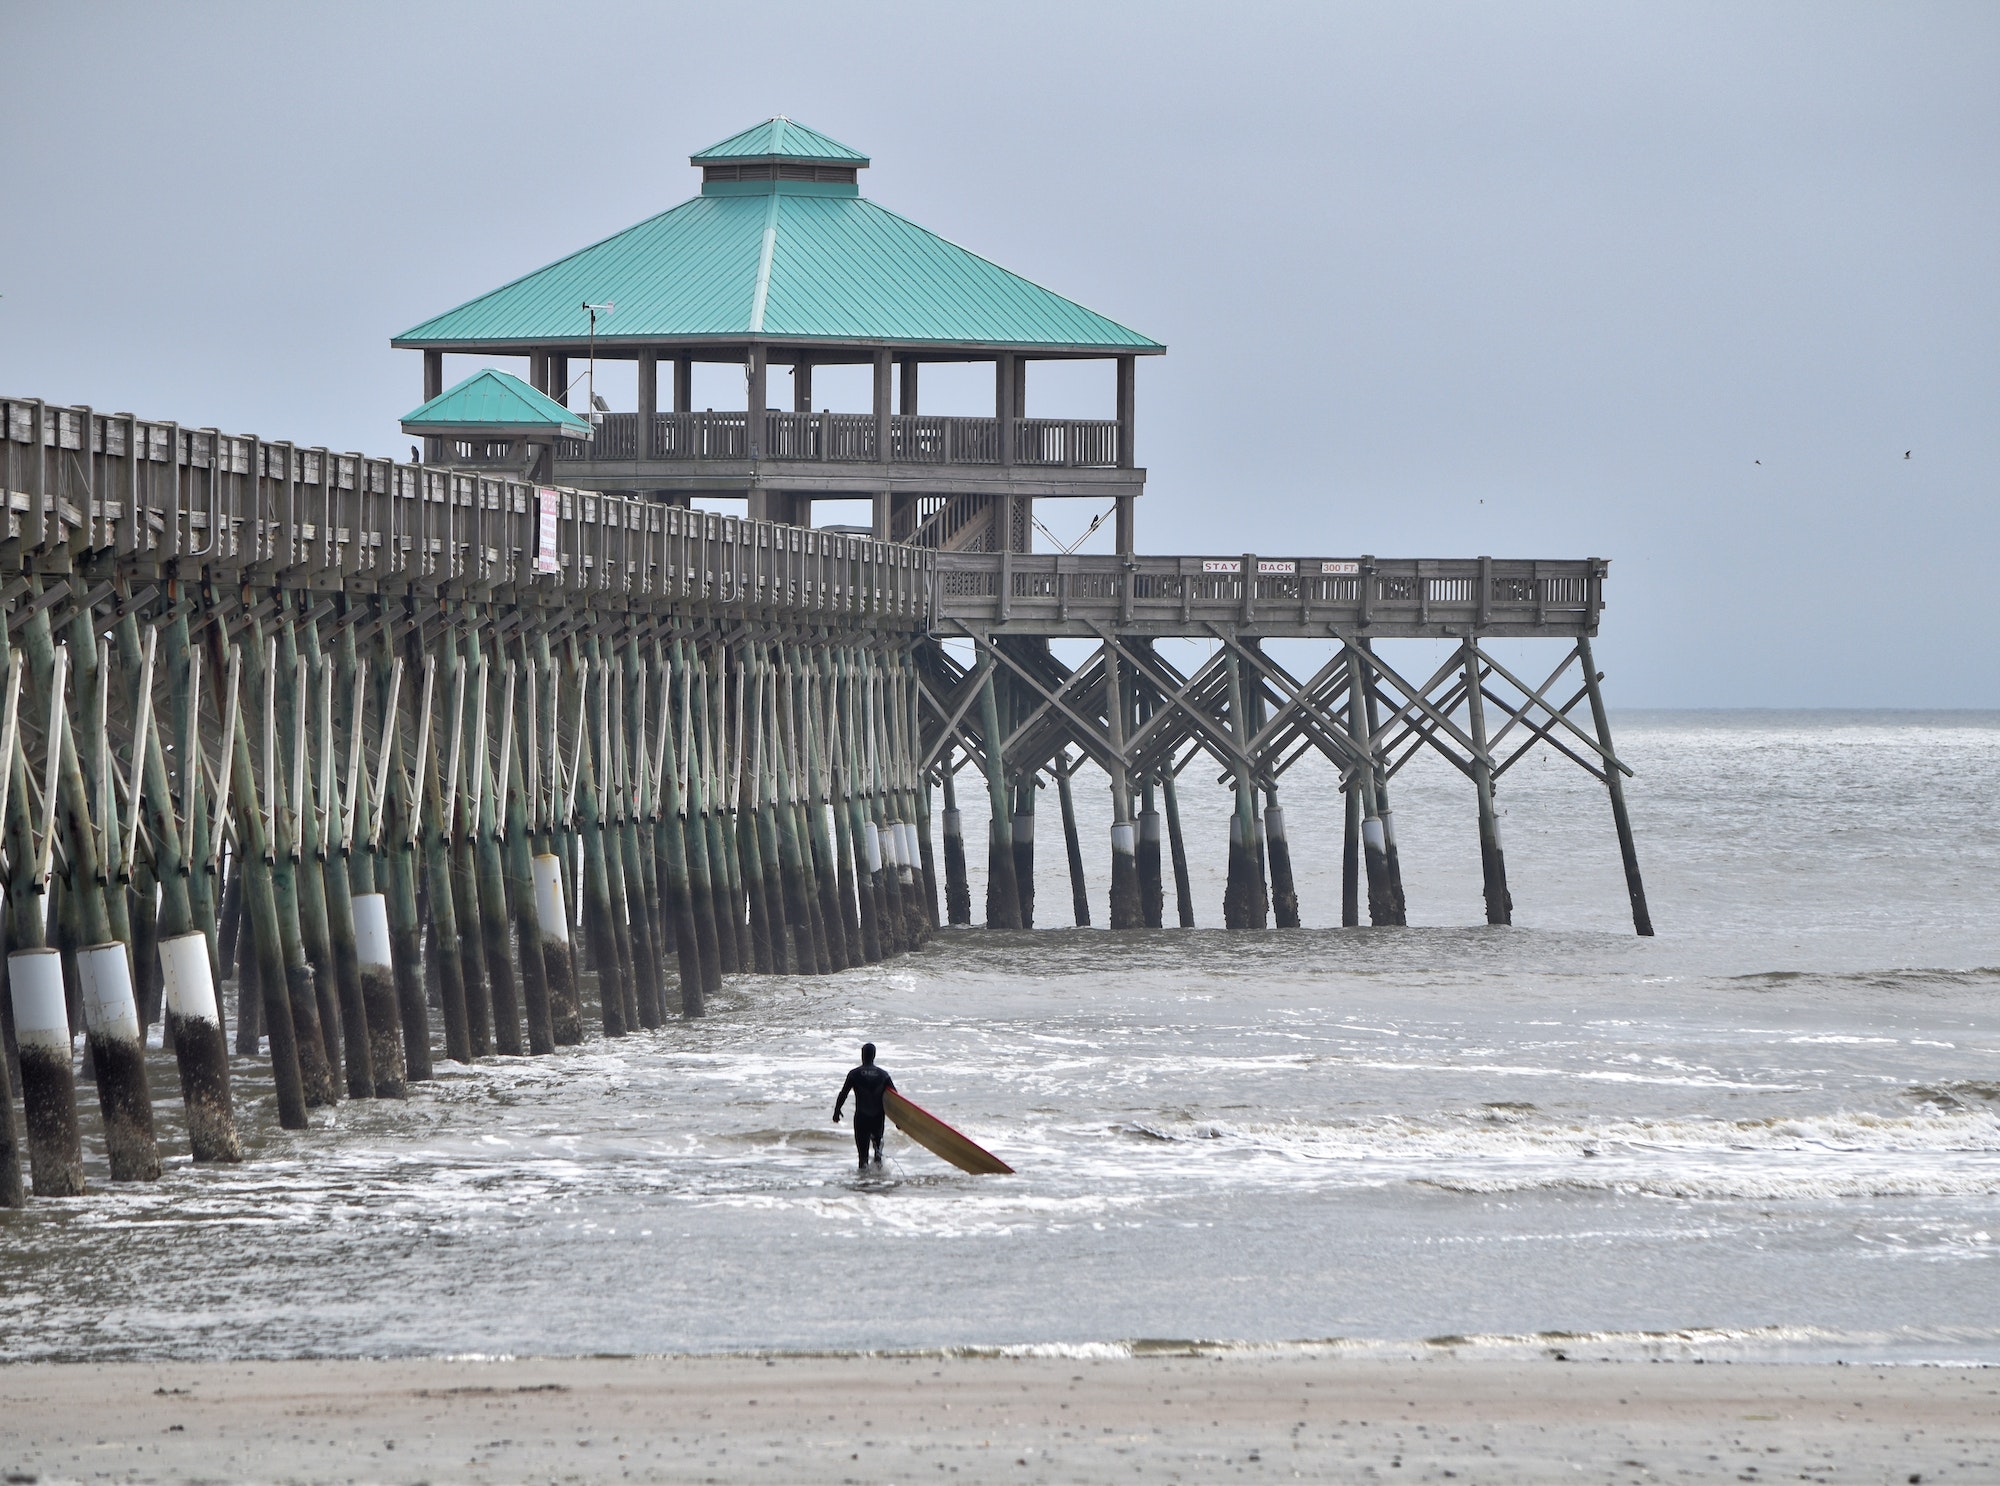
{"points": [[295, 688], [287, 977], [329, 847], [1392, 863], [546, 868], [1278, 854], [374, 959], [671, 843], [694, 821], [400, 827], [1003, 909], [1022, 828], [957, 889], [862, 947], [439, 694], [519, 857], [1079, 890], [1183, 890], [1381, 899], [1492, 860], [484, 805], [48, 1077], [640, 900], [1125, 909], [1628, 851], [1350, 854], [116, 1044], [826, 877], [188, 985], [459, 822]]}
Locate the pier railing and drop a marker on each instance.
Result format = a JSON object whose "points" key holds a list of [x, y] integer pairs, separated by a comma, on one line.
{"points": [[850, 438], [1408, 595], [156, 497]]}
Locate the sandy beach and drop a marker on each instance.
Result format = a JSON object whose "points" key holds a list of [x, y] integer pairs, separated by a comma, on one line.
{"points": [[920, 1418]]}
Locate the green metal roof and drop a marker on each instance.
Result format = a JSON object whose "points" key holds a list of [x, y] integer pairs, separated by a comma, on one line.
{"points": [[797, 261], [494, 402], [780, 139]]}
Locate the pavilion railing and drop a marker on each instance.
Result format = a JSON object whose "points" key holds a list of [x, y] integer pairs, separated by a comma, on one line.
{"points": [[851, 438], [123, 496], [1458, 595]]}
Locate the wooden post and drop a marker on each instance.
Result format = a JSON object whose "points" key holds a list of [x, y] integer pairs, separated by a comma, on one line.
{"points": [[374, 953], [598, 908], [399, 822], [906, 386], [670, 844], [864, 852], [863, 942], [1152, 885], [1245, 905], [194, 1024], [441, 709], [433, 386], [1125, 912], [882, 403], [755, 368], [1022, 826], [826, 902], [483, 806], [1127, 404], [1003, 909], [1381, 903], [1492, 860], [1079, 890], [559, 378], [1391, 860], [1183, 892], [335, 896], [1350, 855], [644, 446], [1642, 918], [957, 891], [683, 383], [315, 934], [1005, 410]]}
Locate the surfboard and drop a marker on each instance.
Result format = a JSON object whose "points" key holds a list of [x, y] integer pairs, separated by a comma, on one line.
{"points": [[935, 1136]]}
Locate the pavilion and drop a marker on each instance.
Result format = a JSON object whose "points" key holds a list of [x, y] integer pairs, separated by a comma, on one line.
{"points": [[780, 261]]}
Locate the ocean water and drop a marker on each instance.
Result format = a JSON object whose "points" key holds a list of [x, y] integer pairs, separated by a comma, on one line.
{"points": [[1773, 1131]]}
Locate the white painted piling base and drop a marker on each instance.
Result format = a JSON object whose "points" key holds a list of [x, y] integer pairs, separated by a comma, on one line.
{"points": [[41, 1010], [104, 975], [371, 932], [188, 980], [550, 911]]}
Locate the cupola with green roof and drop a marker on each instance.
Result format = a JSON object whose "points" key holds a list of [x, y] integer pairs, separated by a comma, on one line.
{"points": [[780, 261]]}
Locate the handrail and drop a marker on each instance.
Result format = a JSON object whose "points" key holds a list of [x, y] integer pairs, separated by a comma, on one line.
{"points": [[849, 438], [1440, 596], [315, 518]]}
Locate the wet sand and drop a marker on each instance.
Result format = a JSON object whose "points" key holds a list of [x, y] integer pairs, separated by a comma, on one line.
{"points": [[1249, 1416]]}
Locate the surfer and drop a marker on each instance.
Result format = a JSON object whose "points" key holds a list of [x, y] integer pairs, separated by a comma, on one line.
{"points": [[867, 1084]]}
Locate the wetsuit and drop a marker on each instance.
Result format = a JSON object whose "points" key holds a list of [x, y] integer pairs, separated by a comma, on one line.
{"points": [[867, 1084]]}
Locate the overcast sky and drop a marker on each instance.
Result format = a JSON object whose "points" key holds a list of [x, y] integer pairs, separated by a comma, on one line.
{"points": [[1527, 280]]}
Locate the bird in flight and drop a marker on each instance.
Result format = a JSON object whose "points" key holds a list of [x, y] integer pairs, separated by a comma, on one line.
{"points": [[1906, 454]]}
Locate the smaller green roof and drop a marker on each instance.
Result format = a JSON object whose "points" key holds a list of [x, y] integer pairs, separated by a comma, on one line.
{"points": [[781, 139], [493, 402]]}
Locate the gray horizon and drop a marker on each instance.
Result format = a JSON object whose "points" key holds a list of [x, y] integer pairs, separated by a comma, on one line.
{"points": [[1673, 286]]}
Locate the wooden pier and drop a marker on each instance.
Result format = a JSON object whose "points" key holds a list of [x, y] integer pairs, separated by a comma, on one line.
{"points": [[463, 759]]}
